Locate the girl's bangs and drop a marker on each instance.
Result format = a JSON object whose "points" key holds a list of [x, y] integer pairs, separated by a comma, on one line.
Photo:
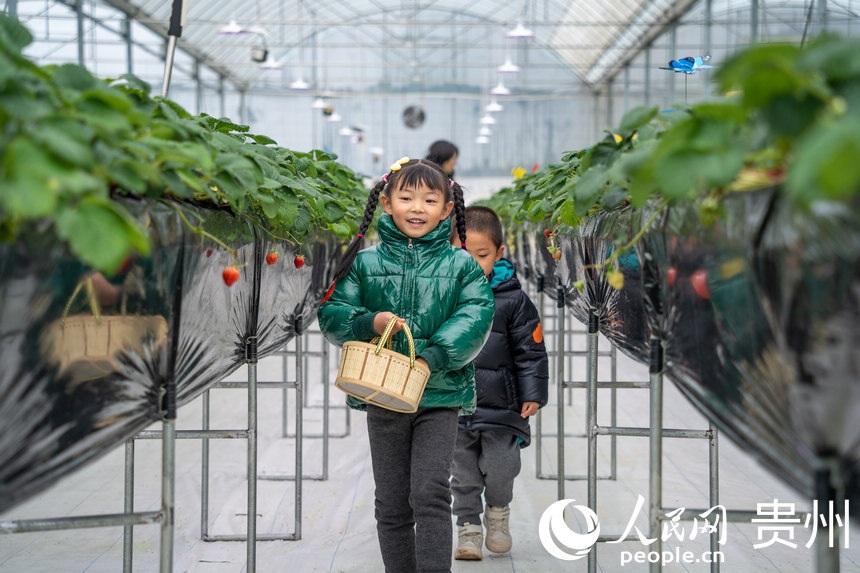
{"points": [[422, 174]]}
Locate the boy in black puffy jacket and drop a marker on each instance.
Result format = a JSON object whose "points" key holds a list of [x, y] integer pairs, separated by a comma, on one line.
{"points": [[511, 377]]}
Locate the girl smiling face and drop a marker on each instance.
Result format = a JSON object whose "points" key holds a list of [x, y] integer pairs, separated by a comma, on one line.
{"points": [[417, 210]]}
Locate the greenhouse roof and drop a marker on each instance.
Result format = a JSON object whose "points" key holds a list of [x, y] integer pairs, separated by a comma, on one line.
{"points": [[444, 46]]}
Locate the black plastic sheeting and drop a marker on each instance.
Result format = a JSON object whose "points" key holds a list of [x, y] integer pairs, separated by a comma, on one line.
{"points": [[759, 317], [68, 396]]}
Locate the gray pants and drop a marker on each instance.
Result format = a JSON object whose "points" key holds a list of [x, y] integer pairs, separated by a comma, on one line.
{"points": [[485, 462], [411, 456]]}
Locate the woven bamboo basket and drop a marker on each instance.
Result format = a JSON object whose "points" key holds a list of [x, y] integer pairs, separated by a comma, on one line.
{"points": [[380, 376]]}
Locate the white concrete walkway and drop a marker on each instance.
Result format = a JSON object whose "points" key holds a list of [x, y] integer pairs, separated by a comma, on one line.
{"points": [[338, 529]]}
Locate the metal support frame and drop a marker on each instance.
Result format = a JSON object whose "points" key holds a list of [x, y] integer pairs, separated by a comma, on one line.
{"points": [[647, 74], [250, 434], [673, 50], [754, 21], [324, 354], [655, 432], [305, 354], [198, 86], [251, 537], [79, 20], [125, 27], [129, 518], [612, 384]]}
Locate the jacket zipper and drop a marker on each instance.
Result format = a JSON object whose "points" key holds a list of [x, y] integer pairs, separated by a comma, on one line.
{"points": [[406, 297], [410, 255]]}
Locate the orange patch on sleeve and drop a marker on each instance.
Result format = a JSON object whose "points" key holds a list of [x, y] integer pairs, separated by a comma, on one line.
{"points": [[538, 334]]}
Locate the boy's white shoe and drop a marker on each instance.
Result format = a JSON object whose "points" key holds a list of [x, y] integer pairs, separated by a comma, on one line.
{"points": [[469, 539], [498, 533]]}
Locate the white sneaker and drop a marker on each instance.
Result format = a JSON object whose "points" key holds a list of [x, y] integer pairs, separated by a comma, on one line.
{"points": [[469, 538], [498, 533]]}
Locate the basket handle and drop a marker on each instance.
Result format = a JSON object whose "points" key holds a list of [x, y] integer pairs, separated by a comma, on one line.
{"points": [[91, 295], [386, 337]]}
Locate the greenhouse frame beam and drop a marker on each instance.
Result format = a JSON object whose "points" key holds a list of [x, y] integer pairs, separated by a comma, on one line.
{"points": [[631, 41], [132, 11]]}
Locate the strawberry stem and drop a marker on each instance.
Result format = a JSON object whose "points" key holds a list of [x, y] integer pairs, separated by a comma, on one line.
{"points": [[200, 231], [616, 254], [274, 236]]}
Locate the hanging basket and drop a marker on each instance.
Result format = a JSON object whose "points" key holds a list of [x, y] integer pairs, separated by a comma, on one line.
{"points": [[380, 376]]}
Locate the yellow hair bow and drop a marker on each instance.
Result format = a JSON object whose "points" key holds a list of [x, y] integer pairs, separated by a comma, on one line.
{"points": [[398, 164]]}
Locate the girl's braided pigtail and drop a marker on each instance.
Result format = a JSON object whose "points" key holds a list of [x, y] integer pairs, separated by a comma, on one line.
{"points": [[352, 251], [459, 211]]}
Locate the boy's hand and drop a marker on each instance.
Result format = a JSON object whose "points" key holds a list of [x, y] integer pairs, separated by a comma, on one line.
{"points": [[529, 409], [380, 321], [420, 360]]}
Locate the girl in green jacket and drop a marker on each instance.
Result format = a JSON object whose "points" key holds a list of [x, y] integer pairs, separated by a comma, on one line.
{"points": [[415, 274]]}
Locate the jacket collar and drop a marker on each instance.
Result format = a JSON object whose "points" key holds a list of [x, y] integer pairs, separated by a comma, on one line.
{"points": [[504, 276], [397, 244]]}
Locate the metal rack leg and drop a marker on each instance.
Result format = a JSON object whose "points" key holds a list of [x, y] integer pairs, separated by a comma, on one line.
{"points": [[285, 375], [252, 464], [128, 507], [826, 553], [539, 420], [559, 379], [326, 398], [613, 404], [591, 422], [300, 380], [168, 469], [714, 490], [204, 478], [655, 502]]}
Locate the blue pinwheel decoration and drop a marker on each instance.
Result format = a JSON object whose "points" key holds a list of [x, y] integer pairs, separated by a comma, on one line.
{"points": [[688, 65]]}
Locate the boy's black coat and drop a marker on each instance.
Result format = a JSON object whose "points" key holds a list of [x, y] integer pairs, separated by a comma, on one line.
{"points": [[512, 367]]}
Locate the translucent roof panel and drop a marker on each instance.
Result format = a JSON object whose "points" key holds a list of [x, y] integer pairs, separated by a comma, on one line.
{"points": [[444, 46], [594, 38]]}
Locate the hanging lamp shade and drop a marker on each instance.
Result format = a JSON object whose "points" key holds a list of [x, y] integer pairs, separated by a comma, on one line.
{"points": [[520, 32], [271, 64], [493, 106], [300, 84], [232, 29], [508, 67], [500, 89]]}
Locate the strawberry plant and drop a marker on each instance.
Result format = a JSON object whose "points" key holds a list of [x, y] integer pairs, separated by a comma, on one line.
{"points": [[795, 126], [71, 143]]}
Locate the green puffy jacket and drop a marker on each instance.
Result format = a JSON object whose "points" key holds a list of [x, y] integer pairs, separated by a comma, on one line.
{"points": [[441, 292]]}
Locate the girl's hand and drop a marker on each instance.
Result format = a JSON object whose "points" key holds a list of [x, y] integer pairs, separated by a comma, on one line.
{"points": [[380, 321], [529, 409], [420, 360]]}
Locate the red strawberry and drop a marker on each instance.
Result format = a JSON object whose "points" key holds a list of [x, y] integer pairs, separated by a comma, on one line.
{"points": [[557, 255], [272, 257], [230, 275], [671, 273], [208, 252], [299, 261], [547, 233], [699, 280]]}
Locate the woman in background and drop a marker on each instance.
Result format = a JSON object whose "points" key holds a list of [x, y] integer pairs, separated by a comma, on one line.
{"points": [[444, 153]]}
